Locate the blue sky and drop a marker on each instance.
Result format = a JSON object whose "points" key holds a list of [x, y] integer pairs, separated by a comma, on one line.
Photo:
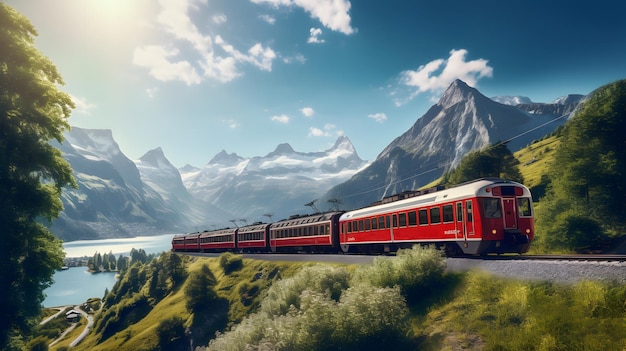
{"points": [[197, 76]]}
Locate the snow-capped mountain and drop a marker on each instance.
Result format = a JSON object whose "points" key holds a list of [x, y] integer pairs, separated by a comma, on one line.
{"points": [[512, 100], [112, 199], [462, 121], [281, 182], [159, 174]]}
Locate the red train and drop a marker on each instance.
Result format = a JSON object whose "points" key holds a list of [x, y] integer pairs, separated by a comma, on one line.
{"points": [[476, 218]]}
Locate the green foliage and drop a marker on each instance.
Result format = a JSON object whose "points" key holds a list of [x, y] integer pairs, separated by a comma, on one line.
{"points": [[199, 293], [33, 112], [284, 294], [138, 290], [587, 176], [418, 271], [510, 315], [38, 344], [171, 333], [365, 318], [327, 308], [209, 312], [230, 262], [493, 161]]}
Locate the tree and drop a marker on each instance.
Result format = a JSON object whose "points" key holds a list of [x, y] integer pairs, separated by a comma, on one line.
{"points": [[493, 161], [33, 112], [587, 186]]}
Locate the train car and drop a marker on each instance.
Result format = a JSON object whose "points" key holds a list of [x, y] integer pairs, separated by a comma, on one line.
{"points": [[218, 240], [314, 233], [253, 238], [480, 217], [178, 242], [192, 242]]}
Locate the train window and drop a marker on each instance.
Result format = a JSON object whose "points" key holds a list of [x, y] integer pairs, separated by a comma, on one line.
{"points": [[492, 208], [395, 220], [468, 208], [459, 212], [374, 224], [523, 207], [435, 215], [322, 231], [367, 224], [402, 219], [412, 218], [387, 222], [448, 214], [381, 222], [349, 227], [361, 225], [423, 214]]}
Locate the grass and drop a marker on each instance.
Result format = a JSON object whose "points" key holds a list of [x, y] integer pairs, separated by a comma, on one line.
{"points": [[243, 288], [535, 159], [441, 311], [497, 314]]}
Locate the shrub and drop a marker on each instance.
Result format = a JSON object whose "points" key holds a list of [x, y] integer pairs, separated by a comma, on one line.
{"points": [[417, 271], [283, 294], [171, 333], [231, 262]]}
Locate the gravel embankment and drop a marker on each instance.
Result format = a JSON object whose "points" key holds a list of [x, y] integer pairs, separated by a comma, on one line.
{"points": [[556, 271]]}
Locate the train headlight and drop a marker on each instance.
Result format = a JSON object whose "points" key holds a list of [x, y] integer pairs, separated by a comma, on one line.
{"points": [[493, 232], [527, 231]]}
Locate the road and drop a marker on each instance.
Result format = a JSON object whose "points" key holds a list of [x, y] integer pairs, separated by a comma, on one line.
{"points": [[82, 335]]}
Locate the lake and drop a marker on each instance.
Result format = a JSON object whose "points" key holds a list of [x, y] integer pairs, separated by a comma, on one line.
{"points": [[76, 285]]}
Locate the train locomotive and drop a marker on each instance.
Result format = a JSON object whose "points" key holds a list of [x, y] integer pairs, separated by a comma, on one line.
{"points": [[485, 216]]}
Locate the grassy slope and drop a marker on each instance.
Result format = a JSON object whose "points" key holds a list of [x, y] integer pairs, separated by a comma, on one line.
{"points": [[535, 158], [235, 287], [483, 312]]}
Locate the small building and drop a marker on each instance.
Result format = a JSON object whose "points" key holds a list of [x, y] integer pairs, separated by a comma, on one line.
{"points": [[72, 316]]}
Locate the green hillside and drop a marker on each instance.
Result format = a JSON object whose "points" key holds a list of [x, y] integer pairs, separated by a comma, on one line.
{"points": [[405, 302]]}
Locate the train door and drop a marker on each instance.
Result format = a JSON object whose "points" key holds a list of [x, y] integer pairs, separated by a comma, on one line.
{"points": [[461, 232], [273, 240], [394, 224], [509, 213], [469, 219]]}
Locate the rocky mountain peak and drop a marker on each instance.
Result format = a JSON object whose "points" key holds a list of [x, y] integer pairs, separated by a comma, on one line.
{"points": [[282, 149], [344, 143], [154, 157], [457, 92], [225, 158]]}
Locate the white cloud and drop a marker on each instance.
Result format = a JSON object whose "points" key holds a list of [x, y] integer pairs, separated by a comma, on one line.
{"points": [[307, 111], [204, 61], [333, 14], [438, 74], [284, 119], [232, 124], [316, 132], [152, 92], [82, 106], [378, 117], [219, 19], [315, 34], [328, 131], [267, 18], [297, 58], [157, 60]]}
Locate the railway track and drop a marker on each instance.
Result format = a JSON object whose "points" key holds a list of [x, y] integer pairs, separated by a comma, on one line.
{"points": [[560, 257]]}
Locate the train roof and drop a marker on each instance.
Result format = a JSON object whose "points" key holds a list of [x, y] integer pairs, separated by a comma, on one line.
{"points": [[218, 232], [314, 218], [474, 188], [252, 228]]}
